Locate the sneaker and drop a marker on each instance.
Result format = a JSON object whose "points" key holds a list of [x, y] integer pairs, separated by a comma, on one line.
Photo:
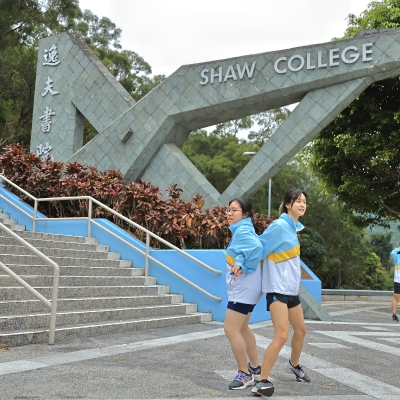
{"points": [[298, 371], [394, 318], [263, 387], [255, 371], [241, 381]]}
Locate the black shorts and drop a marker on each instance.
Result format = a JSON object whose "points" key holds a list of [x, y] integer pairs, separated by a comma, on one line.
{"points": [[290, 301], [397, 287], [241, 308]]}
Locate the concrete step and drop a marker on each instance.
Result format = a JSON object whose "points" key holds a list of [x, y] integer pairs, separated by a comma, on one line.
{"points": [[5, 219], [42, 336], [60, 252], [66, 261], [50, 244], [20, 293], [42, 321], [36, 281], [98, 293], [15, 307], [75, 270], [57, 238], [14, 227]]}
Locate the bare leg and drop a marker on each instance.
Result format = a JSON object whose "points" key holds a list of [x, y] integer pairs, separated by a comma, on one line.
{"points": [[279, 316], [233, 325], [395, 301], [296, 319], [251, 346]]}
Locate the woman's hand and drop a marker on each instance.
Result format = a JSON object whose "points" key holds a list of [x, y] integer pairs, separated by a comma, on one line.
{"points": [[236, 270]]}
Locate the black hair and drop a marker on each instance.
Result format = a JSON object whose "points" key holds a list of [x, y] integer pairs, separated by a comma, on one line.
{"points": [[245, 206], [290, 197]]}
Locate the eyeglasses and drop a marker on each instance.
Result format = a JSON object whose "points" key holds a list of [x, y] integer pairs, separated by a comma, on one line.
{"points": [[228, 211]]}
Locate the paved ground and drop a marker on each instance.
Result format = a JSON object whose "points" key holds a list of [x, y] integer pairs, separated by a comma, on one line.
{"points": [[355, 357]]}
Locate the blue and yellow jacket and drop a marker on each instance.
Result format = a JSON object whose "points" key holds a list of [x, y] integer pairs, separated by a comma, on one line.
{"points": [[281, 271], [395, 254], [245, 250]]}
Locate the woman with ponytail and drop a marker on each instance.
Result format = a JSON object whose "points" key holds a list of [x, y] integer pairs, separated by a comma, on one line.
{"points": [[281, 272]]}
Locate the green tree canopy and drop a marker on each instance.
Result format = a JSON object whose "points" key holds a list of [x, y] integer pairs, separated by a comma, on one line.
{"points": [[357, 157], [382, 246]]}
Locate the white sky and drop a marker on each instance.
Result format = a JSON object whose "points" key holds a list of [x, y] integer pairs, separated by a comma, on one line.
{"points": [[171, 33]]}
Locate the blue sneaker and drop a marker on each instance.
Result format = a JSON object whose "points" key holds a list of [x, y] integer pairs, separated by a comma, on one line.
{"points": [[241, 381]]}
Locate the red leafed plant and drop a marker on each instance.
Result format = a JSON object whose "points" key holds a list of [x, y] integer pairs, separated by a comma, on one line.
{"points": [[182, 223]]}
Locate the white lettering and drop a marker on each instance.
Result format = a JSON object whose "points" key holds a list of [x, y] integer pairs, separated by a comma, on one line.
{"points": [[276, 66], [296, 57], [213, 75], [309, 66], [46, 117], [353, 57], [366, 51], [245, 69], [230, 73], [333, 57], [44, 151], [51, 56], [320, 64], [203, 74], [49, 87]]}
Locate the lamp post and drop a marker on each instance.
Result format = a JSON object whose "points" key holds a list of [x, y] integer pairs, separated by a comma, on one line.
{"points": [[252, 153]]}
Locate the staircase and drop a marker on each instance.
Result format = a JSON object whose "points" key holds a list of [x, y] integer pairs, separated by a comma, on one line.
{"points": [[98, 292]]}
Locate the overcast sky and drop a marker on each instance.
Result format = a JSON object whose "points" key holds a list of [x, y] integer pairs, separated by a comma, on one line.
{"points": [[171, 33]]}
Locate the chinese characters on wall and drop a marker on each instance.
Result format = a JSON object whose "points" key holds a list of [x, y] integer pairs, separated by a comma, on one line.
{"points": [[50, 59]]}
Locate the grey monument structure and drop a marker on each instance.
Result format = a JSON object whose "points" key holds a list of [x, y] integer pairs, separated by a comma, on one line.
{"points": [[142, 139]]}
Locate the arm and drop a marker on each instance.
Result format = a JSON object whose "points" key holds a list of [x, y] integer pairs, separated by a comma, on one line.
{"points": [[394, 253], [270, 239], [248, 251]]}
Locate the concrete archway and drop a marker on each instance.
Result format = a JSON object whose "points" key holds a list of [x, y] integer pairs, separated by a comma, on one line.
{"points": [[142, 139]]}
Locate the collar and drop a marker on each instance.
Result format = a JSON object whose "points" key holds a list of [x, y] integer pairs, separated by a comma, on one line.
{"points": [[242, 222], [298, 226]]}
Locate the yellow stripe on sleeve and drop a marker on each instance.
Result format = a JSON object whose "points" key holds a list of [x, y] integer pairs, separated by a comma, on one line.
{"points": [[397, 267], [285, 255], [230, 260]]}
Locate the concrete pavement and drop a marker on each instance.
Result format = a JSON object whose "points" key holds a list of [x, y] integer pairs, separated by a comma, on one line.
{"points": [[353, 357]]}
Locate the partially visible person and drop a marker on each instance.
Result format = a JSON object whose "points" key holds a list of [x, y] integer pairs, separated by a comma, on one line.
{"points": [[395, 254], [281, 273], [243, 281]]}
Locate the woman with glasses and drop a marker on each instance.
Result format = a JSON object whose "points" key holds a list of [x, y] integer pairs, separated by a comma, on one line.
{"points": [[243, 280], [281, 272]]}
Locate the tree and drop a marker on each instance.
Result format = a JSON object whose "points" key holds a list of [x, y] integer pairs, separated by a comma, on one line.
{"points": [[217, 155], [129, 68], [330, 246], [267, 123], [382, 246], [22, 24], [313, 251], [357, 156]]}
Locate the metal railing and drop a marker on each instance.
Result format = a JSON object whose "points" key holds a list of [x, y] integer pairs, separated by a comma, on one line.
{"points": [[91, 221], [53, 304]]}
